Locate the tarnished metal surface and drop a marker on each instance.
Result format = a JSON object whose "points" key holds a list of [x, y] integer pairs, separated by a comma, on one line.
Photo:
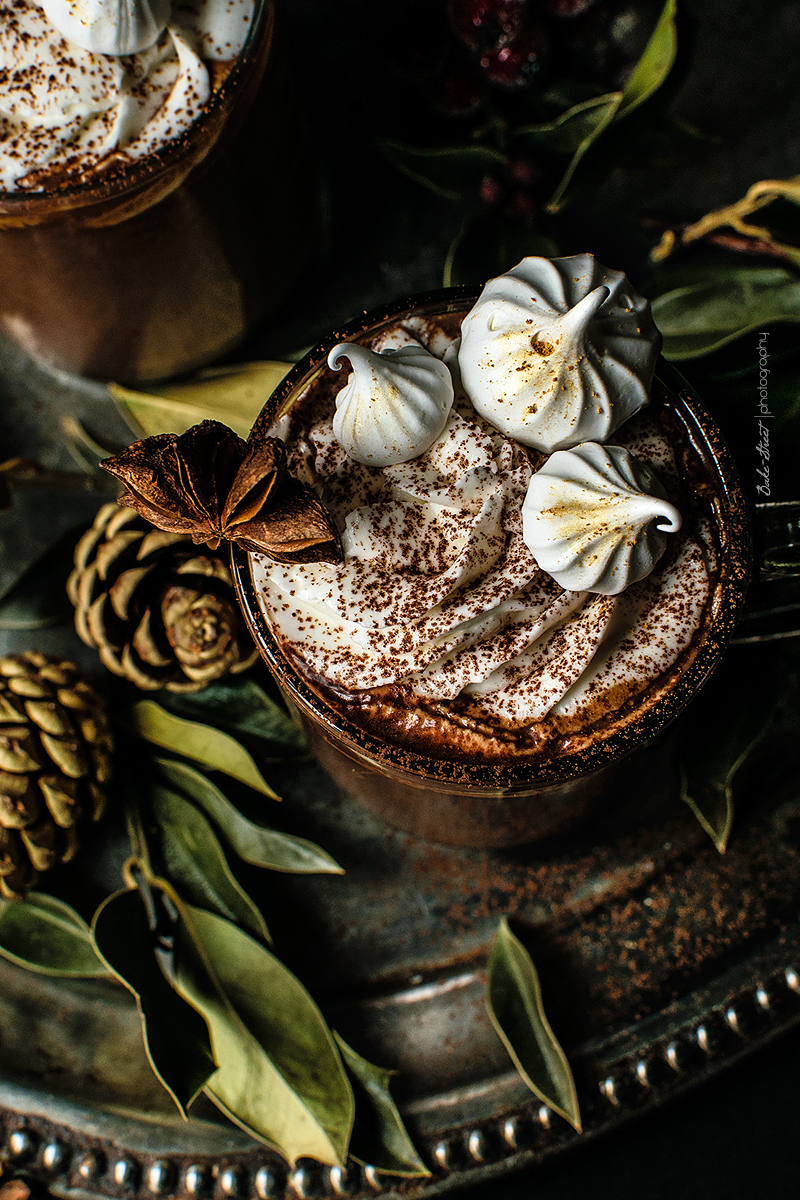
{"points": [[661, 962]]}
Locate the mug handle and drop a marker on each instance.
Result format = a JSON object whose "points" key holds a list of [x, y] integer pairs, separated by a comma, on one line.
{"points": [[776, 540], [772, 609]]}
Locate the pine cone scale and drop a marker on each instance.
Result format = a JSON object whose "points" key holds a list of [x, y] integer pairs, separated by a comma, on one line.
{"points": [[62, 805], [123, 589], [10, 709], [50, 766], [14, 756], [158, 612], [45, 714], [67, 755], [19, 804]]}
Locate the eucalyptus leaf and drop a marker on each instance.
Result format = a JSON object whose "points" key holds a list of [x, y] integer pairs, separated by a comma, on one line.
{"points": [[655, 63], [38, 597], [709, 761], [46, 935], [452, 172], [380, 1139], [234, 395], [243, 709], [175, 1035], [705, 315], [253, 843], [577, 129], [515, 1006], [194, 862], [202, 743], [280, 1077]]}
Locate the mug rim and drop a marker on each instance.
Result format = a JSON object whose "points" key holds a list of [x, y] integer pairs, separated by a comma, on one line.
{"points": [[521, 773]]}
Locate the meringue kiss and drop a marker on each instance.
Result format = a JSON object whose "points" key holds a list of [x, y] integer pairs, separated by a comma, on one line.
{"points": [[558, 351], [595, 518], [394, 405]]}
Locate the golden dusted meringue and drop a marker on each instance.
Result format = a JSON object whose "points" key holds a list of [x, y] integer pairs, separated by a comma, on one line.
{"points": [[394, 405], [595, 518], [115, 27], [558, 351]]}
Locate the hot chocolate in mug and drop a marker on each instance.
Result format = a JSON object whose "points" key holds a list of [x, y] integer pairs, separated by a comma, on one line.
{"points": [[530, 742]]}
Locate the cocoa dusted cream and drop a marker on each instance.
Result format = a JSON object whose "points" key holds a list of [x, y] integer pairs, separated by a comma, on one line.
{"points": [[440, 632]]}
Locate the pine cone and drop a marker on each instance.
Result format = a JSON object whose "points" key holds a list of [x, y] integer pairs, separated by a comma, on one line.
{"points": [[55, 757], [161, 612]]}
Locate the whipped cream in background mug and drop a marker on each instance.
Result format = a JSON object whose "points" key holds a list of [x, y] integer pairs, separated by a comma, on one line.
{"points": [[144, 227], [65, 108]]}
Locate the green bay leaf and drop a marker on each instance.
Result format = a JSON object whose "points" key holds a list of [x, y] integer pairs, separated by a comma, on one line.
{"points": [[514, 1000], [575, 131], [47, 935], [721, 306], [712, 749], [233, 394], [380, 1139], [655, 63], [193, 860], [253, 843], [243, 709], [280, 1076], [176, 1037], [204, 744]]}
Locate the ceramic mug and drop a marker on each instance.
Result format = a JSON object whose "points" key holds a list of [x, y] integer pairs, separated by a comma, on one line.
{"points": [[475, 805], [166, 263]]}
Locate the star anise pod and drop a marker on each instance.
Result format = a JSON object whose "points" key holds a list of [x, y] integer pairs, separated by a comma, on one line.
{"points": [[212, 486]]}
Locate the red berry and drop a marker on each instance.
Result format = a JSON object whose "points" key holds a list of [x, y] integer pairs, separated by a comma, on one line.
{"points": [[524, 170], [491, 190], [566, 8], [486, 24], [518, 62], [521, 204]]}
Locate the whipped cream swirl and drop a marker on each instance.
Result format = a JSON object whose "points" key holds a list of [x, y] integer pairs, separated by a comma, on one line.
{"points": [[558, 351], [439, 595], [64, 110]]}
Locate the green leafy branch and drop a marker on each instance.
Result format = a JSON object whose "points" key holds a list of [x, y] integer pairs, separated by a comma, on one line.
{"points": [[454, 172], [702, 309], [220, 1013], [574, 131]]}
